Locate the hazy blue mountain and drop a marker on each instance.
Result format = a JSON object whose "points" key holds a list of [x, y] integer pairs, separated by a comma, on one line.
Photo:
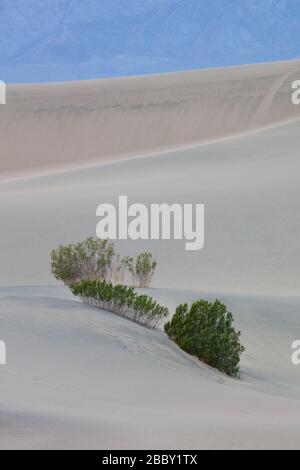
{"points": [[43, 40]]}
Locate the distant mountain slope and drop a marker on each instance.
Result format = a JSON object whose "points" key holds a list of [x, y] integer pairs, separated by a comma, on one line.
{"points": [[71, 39]]}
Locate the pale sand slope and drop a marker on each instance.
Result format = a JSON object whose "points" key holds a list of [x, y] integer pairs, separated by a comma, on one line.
{"points": [[250, 187], [82, 378], [79, 377], [49, 126]]}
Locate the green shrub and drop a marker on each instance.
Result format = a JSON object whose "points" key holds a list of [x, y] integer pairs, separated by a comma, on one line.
{"points": [[64, 265], [121, 300], [97, 259], [90, 259], [143, 270], [206, 331]]}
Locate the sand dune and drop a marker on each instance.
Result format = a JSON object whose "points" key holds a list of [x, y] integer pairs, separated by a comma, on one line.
{"points": [[82, 378], [250, 187], [74, 124]]}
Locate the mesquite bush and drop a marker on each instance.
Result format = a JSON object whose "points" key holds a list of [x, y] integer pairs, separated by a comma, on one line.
{"points": [[122, 300], [205, 330], [95, 259], [143, 269]]}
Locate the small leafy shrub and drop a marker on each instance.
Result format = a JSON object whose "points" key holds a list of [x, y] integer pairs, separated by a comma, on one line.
{"points": [[95, 259], [90, 259], [143, 270], [64, 265], [206, 331], [121, 300]]}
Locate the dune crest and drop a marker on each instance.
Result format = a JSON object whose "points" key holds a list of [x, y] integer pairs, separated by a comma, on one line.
{"points": [[67, 125]]}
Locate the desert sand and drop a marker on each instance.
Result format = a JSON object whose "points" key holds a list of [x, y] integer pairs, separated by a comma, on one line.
{"points": [[81, 378], [78, 377], [48, 127]]}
